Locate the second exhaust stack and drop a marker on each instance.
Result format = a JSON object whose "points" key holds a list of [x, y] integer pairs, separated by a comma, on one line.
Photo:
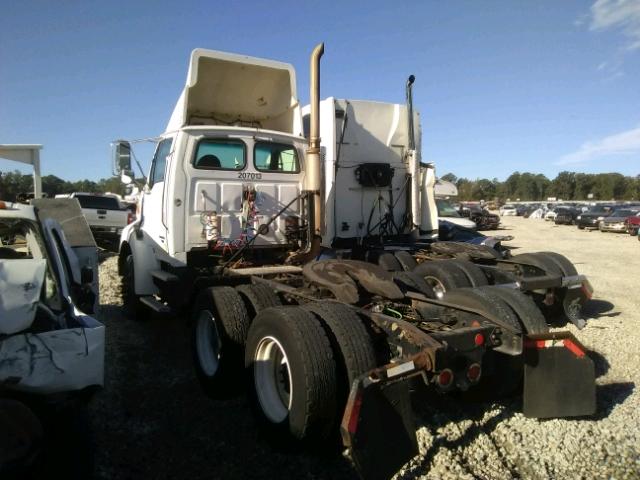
{"points": [[312, 178]]}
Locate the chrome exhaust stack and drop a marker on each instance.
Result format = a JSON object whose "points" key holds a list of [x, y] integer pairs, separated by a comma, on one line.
{"points": [[313, 176]]}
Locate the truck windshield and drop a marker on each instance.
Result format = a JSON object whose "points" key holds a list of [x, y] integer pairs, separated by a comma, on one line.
{"points": [[275, 157], [446, 209]]}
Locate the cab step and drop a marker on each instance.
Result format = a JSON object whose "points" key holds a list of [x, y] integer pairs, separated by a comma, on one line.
{"points": [[164, 276], [154, 304]]}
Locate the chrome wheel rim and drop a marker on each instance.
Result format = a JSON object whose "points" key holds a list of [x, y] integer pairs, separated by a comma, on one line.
{"points": [[272, 376], [438, 287], [207, 343]]}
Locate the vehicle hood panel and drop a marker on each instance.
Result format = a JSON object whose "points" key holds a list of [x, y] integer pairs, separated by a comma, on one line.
{"points": [[54, 361]]}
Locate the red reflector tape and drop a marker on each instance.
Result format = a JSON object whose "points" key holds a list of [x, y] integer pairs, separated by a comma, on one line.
{"points": [[535, 344], [355, 414], [566, 343], [573, 348]]}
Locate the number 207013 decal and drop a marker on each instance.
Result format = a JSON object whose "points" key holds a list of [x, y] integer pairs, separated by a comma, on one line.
{"points": [[249, 176]]}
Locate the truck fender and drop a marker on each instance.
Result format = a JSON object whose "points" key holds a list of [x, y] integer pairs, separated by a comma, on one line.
{"points": [[144, 260]]}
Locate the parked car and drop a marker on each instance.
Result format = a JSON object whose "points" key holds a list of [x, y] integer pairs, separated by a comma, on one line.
{"points": [[508, 210], [591, 218], [633, 224], [448, 212], [616, 222], [483, 219], [566, 216], [550, 215]]}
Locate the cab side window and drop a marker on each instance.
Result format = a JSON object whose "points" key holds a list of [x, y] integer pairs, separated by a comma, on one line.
{"points": [[160, 162]]}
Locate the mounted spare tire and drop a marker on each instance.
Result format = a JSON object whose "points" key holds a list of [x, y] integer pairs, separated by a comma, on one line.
{"points": [[220, 323], [442, 275], [291, 375]]}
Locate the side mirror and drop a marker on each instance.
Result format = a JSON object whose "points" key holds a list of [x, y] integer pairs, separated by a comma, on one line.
{"points": [[121, 158]]}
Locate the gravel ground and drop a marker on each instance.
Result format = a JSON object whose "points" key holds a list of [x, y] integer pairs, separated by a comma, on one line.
{"points": [[153, 421]]}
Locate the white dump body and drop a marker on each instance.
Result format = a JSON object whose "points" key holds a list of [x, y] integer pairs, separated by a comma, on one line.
{"points": [[228, 89], [354, 132]]}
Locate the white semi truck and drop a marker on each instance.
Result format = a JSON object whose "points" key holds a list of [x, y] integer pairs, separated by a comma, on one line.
{"points": [[255, 231]]}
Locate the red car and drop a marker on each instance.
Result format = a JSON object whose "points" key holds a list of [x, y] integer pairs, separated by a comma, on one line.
{"points": [[633, 224]]}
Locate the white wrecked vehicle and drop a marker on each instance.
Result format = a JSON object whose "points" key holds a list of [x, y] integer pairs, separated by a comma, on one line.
{"points": [[51, 351]]}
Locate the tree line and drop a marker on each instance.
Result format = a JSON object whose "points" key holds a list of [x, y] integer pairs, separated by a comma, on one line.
{"points": [[15, 183], [524, 186], [566, 186]]}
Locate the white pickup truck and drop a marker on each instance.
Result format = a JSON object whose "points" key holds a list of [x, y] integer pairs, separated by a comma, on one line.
{"points": [[104, 214]]}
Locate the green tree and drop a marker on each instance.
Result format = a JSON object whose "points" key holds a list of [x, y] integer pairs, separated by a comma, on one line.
{"points": [[449, 177], [563, 186]]}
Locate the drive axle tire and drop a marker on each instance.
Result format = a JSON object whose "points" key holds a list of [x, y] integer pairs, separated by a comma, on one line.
{"points": [[410, 281], [133, 307], [258, 297], [291, 375], [352, 346], [565, 265], [442, 275], [530, 317], [406, 260], [542, 262], [220, 323], [508, 370], [389, 263], [474, 273]]}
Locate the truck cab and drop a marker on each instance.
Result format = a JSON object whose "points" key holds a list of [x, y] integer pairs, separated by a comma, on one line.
{"points": [[232, 156]]}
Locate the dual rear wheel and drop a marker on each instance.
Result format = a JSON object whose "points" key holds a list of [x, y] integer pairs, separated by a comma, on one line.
{"points": [[297, 362]]}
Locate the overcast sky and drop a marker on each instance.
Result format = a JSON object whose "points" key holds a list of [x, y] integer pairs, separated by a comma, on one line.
{"points": [[539, 86]]}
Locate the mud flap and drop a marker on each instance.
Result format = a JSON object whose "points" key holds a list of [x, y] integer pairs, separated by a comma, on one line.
{"points": [[378, 428], [559, 377]]}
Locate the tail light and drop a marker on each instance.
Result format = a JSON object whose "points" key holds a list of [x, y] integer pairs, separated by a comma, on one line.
{"points": [[130, 217], [478, 339], [445, 378], [474, 372]]}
